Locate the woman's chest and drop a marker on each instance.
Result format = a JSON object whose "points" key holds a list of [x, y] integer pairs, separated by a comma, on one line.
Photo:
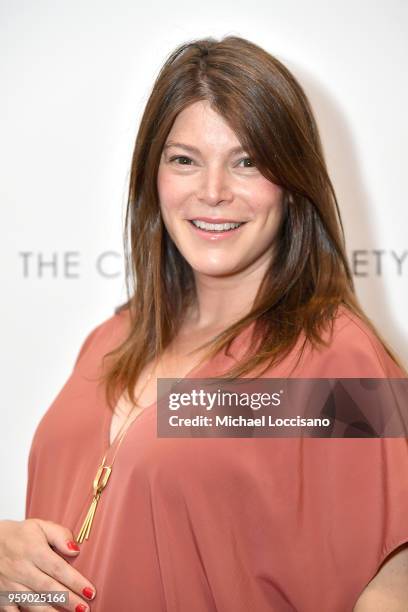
{"points": [[173, 367]]}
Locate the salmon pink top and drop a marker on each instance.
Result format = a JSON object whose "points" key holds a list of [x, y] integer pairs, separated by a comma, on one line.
{"points": [[223, 524]]}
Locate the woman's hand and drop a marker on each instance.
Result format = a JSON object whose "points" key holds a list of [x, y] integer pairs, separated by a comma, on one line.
{"points": [[29, 563], [388, 590]]}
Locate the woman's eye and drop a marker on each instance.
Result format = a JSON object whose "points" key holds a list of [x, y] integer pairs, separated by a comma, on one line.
{"points": [[247, 159], [181, 157]]}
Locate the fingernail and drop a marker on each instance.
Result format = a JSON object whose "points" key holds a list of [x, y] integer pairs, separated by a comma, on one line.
{"points": [[80, 608], [88, 592], [72, 545]]}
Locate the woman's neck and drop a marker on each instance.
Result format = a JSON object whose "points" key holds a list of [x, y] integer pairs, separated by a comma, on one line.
{"points": [[221, 302]]}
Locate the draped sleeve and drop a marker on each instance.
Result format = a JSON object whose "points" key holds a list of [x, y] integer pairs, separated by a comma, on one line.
{"points": [[359, 486]]}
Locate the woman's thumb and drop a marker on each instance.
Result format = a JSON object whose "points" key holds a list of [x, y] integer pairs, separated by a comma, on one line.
{"points": [[59, 537]]}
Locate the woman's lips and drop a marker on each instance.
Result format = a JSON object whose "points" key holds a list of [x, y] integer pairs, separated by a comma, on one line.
{"points": [[214, 235]]}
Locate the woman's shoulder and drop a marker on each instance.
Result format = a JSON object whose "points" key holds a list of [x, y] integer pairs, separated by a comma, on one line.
{"points": [[353, 350]]}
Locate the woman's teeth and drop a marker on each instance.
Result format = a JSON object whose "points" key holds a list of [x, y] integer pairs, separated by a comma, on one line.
{"points": [[215, 227]]}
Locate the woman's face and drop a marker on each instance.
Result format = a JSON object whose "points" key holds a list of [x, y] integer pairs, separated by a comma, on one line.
{"points": [[204, 177]]}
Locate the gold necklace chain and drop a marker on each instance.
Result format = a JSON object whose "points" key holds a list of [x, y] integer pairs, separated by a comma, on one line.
{"points": [[104, 471]]}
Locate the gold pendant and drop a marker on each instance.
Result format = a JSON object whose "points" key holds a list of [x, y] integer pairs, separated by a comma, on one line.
{"points": [[99, 483]]}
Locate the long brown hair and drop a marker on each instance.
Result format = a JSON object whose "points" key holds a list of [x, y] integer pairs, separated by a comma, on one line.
{"points": [[308, 278]]}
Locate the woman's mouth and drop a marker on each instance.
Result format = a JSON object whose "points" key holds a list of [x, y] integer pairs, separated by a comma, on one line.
{"points": [[216, 228]]}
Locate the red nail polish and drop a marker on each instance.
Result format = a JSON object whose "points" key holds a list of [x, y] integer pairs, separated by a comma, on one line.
{"points": [[88, 592], [80, 608], [72, 545]]}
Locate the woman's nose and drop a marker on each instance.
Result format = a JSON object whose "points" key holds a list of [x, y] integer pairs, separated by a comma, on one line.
{"points": [[215, 185]]}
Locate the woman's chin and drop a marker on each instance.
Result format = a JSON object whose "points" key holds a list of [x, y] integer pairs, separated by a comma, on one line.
{"points": [[217, 271]]}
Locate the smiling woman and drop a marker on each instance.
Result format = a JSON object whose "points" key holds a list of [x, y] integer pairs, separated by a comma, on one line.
{"points": [[236, 268], [190, 196]]}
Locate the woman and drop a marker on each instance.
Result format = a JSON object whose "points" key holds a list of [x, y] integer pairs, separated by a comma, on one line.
{"points": [[227, 137]]}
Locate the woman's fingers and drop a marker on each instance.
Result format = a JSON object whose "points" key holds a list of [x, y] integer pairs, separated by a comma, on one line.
{"points": [[59, 537], [27, 559], [37, 580], [57, 574]]}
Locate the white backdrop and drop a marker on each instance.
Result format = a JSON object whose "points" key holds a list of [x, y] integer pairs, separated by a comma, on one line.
{"points": [[74, 78]]}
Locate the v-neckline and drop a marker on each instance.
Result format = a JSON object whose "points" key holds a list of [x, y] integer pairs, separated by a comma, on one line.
{"points": [[109, 418]]}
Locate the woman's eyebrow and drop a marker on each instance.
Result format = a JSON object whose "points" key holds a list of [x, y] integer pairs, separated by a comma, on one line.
{"points": [[187, 147]]}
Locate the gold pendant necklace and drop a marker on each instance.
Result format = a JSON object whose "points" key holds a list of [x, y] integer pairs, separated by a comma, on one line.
{"points": [[99, 483], [103, 473]]}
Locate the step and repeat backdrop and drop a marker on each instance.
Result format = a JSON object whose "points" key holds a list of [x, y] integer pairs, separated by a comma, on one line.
{"points": [[75, 77]]}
